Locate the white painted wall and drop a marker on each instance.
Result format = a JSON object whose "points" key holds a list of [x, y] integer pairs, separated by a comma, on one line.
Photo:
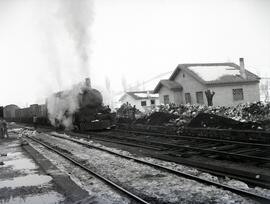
{"points": [[172, 96], [137, 103], [190, 85], [223, 93]]}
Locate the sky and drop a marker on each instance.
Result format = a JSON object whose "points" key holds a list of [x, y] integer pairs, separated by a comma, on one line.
{"points": [[47, 46]]}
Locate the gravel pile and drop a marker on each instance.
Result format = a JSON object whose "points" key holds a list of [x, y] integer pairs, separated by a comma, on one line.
{"points": [[157, 118], [249, 112], [203, 120]]}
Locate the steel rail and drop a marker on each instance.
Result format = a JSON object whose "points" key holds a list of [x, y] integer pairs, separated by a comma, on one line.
{"points": [[234, 155], [111, 183], [259, 132], [243, 176], [195, 138], [182, 174]]}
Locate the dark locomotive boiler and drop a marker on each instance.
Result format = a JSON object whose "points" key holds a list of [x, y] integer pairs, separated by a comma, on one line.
{"points": [[92, 114]]}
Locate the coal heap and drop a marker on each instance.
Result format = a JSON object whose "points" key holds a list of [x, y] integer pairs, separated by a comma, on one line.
{"points": [[124, 120], [160, 118], [206, 120]]}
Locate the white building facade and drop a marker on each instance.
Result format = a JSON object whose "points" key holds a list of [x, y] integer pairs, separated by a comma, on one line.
{"points": [[231, 83], [143, 100]]}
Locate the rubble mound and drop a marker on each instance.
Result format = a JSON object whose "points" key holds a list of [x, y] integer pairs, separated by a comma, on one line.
{"points": [[207, 120], [124, 120], [160, 118], [142, 120], [249, 116]]}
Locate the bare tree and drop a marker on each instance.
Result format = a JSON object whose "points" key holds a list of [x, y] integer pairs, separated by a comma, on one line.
{"points": [[209, 96]]}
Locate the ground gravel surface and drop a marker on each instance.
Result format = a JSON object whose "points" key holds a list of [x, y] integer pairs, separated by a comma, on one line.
{"points": [[99, 193], [155, 185], [183, 168], [21, 179]]}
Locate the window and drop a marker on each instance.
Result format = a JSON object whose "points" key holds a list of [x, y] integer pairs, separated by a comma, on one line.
{"points": [[153, 102], [188, 98], [166, 99], [238, 94], [143, 103], [199, 97]]}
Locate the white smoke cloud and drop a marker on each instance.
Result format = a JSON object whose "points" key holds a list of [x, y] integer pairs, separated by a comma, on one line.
{"points": [[78, 17], [62, 106]]}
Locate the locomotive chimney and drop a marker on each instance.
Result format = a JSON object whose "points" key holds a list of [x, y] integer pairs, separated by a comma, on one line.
{"points": [[242, 68], [88, 82]]}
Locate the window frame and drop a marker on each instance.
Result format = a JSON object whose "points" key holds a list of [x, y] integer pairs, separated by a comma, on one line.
{"points": [[198, 99], [167, 101], [142, 103], [188, 96], [238, 96]]}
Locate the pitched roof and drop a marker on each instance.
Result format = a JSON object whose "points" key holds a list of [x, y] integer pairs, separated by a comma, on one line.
{"points": [[137, 95], [172, 85], [215, 73]]}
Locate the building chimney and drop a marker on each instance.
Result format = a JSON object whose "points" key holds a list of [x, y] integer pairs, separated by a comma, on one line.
{"points": [[242, 68]]}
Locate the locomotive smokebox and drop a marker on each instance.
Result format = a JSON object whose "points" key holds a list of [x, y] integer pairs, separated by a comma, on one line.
{"points": [[89, 97], [88, 82]]}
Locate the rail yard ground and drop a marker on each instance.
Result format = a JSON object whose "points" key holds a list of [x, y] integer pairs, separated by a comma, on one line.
{"points": [[26, 176], [22, 180], [152, 185]]}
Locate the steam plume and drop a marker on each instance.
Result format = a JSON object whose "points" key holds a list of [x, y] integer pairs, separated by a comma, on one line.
{"points": [[63, 105], [78, 16]]}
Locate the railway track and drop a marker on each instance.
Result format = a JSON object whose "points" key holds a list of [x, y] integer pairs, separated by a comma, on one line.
{"points": [[251, 178], [174, 153], [215, 133], [233, 149], [122, 190], [197, 138], [242, 151], [254, 196]]}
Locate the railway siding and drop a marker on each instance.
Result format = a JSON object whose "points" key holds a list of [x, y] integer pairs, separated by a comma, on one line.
{"points": [[62, 180], [169, 182]]}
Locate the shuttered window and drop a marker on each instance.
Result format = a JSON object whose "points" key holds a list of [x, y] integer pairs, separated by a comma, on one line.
{"points": [[188, 98], [166, 99], [199, 97], [143, 103], [238, 94]]}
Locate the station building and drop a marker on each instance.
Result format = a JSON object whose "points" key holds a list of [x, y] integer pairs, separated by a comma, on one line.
{"points": [[143, 100], [232, 84]]}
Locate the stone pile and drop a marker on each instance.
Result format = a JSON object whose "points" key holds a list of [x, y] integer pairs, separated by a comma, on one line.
{"points": [[258, 112]]}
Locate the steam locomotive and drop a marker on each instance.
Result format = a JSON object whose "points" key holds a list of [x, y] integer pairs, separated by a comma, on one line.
{"points": [[90, 115]]}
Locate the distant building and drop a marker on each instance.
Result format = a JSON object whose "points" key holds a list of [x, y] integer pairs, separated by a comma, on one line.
{"points": [[9, 111], [231, 83], [143, 100]]}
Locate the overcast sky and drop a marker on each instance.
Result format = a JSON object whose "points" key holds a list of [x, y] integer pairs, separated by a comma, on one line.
{"points": [[46, 46]]}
